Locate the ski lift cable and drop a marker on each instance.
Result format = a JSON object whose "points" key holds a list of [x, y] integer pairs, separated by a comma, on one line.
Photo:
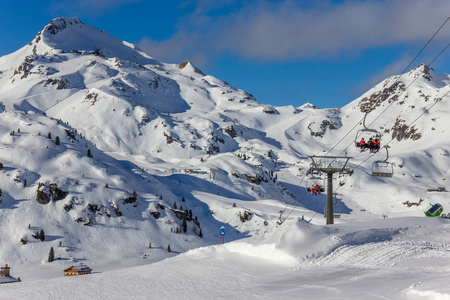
{"points": [[379, 115], [434, 59], [409, 125], [443, 50], [357, 124], [425, 111], [287, 204], [397, 79], [370, 156]]}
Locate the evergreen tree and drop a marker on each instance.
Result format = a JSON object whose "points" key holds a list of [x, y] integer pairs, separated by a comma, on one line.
{"points": [[57, 141], [49, 135], [25, 183], [89, 153], [51, 255], [168, 248], [41, 235], [1, 166], [184, 225], [150, 245], [175, 205], [134, 195]]}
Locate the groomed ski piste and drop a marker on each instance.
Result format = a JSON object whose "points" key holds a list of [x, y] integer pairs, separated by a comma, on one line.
{"points": [[162, 134]]}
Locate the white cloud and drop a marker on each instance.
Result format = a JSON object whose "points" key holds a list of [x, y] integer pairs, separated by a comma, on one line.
{"points": [[286, 30]]}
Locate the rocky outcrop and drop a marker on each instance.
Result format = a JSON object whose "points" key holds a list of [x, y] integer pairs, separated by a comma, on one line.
{"points": [[52, 192]]}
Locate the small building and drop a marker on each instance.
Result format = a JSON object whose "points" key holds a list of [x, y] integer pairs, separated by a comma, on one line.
{"points": [[5, 275], [5, 271], [434, 211], [77, 270]]}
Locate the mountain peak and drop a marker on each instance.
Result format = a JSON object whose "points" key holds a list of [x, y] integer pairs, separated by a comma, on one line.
{"points": [[422, 70], [57, 25], [72, 35], [188, 67]]}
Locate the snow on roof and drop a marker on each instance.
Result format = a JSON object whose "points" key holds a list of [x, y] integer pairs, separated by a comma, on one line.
{"points": [[79, 268], [7, 279]]}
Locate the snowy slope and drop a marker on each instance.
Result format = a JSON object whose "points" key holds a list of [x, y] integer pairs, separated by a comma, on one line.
{"points": [[107, 150]]}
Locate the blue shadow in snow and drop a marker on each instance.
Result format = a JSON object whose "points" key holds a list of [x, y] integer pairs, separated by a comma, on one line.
{"points": [[311, 202]]}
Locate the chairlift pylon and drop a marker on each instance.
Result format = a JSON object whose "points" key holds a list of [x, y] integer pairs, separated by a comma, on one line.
{"points": [[368, 133], [336, 208], [383, 168]]}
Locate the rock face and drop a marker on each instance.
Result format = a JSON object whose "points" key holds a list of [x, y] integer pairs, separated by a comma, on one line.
{"points": [[368, 104], [47, 193]]}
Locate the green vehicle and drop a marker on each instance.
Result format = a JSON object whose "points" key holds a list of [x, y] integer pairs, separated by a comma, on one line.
{"points": [[434, 211]]}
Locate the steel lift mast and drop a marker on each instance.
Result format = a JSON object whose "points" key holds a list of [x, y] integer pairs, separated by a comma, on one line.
{"points": [[330, 165]]}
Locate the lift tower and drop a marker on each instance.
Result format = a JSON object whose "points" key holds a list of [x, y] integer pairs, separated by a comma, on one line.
{"points": [[330, 165]]}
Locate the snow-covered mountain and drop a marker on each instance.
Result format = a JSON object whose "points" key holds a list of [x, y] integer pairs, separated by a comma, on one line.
{"points": [[110, 151]]}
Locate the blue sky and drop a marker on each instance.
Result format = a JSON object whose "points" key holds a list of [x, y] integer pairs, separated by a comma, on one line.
{"points": [[284, 52]]}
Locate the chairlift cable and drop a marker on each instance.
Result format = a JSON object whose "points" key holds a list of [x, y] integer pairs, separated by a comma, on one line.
{"points": [[409, 125], [357, 124], [397, 79], [434, 59]]}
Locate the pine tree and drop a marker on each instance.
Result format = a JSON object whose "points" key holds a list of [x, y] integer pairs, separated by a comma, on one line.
{"points": [[184, 225], [150, 245], [57, 141], [174, 205], [1, 166], [134, 195], [49, 135], [51, 255], [168, 248], [89, 153], [41, 235], [25, 183]]}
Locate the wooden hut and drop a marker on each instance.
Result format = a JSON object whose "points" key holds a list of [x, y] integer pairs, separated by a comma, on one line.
{"points": [[77, 270], [5, 271]]}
